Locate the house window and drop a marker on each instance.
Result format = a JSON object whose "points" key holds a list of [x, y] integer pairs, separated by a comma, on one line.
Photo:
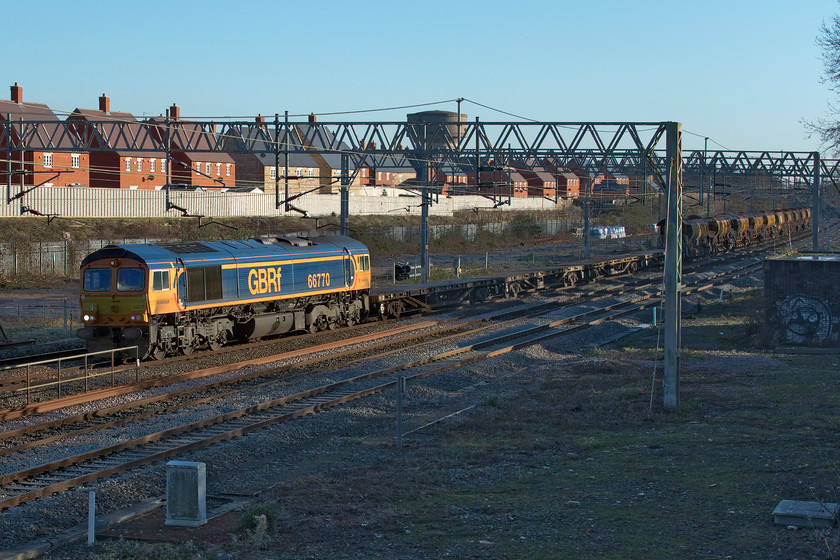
{"points": [[311, 172], [75, 161], [272, 173], [299, 172], [48, 160], [218, 169], [128, 164], [227, 169], [198, 166], [139, 165], [378, 175], [207, 169], [152, 165]]}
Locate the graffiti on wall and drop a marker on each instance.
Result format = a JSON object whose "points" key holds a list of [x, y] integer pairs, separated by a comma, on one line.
{"points": [[805, 320]]}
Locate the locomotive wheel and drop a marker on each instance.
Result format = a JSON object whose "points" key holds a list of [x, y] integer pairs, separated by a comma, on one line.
{"points": [[187, 350], [216, 342], [158, 352], [319, 324]]}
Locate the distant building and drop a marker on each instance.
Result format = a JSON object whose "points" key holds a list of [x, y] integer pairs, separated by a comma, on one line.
{"points": [[568, 184], [120, 166], [33, 167], [310, 169], [196, 159]]}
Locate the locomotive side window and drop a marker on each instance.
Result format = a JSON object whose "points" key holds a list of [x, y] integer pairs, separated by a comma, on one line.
{"points": [[364, 262], [97, 280], [130, 279], [160, 280]]}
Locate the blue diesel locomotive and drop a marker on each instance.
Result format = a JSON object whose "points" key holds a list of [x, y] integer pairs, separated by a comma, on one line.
{"points": [[169, 298]]}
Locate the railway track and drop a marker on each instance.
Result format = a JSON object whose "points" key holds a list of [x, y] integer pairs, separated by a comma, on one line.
{"points": [[43, 377], [56, 476]]}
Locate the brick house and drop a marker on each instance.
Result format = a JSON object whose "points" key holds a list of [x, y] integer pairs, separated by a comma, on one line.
{"points": [[568, 184], [380, 170], [210, 169], [36, 167], [501, 182], [307, 171], [120, 166]]}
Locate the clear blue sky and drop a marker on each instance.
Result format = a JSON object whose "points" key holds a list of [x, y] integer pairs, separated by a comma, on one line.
{"points": [[745, 73]]}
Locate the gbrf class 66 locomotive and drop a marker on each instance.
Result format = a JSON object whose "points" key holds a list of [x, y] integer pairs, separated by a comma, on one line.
{"points": [[169, 298]]}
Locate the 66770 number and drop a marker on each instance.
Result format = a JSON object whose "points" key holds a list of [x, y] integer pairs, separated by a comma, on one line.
{"points": [[319, 280]]}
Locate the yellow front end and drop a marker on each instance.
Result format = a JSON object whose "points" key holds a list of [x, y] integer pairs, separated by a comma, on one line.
{"points": [[113, 303], [114, 310]]}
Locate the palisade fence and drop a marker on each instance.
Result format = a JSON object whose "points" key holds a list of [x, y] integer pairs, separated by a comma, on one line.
{"points": [[84, 202]]}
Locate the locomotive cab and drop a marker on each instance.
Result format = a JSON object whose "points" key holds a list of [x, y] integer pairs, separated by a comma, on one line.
{"points": [[113, 301]]}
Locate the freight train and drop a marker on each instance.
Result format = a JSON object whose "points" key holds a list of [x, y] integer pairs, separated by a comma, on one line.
{"points": [[175, 298], [170, 298], [707, 236]]}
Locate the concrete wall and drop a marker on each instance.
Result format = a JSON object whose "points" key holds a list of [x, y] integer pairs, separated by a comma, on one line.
{"points": [[801, 301]]}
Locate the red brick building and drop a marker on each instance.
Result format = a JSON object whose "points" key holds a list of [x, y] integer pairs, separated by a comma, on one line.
{"points": [[36, 167], [120, 166], [191, 164], [568, 184]]}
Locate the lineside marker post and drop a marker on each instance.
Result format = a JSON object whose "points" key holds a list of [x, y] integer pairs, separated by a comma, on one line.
{"points": [[91, 517], [400, 389]]}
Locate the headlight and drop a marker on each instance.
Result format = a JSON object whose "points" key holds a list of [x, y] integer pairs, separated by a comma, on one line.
{"points": [[88, 317]]}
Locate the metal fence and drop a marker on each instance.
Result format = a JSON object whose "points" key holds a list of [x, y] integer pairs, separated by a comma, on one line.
{"points": [[62, 313]]}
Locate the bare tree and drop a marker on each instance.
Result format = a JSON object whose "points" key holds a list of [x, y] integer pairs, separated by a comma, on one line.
{"points": [[827, 129]]}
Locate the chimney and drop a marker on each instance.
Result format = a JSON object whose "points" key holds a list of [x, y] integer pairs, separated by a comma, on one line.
{"points": [[174, 112], [104, 104], [17, 93], [261, 120], [312, 117]]}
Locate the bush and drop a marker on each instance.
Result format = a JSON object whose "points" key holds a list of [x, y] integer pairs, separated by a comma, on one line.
{"points": [[253, 517]]}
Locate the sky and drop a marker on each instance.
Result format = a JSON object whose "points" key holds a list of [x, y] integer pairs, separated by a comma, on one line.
{"points": [[743, 73]]}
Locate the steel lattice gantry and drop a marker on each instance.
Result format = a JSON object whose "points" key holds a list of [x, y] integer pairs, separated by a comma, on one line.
{"points": [[432, 148]]}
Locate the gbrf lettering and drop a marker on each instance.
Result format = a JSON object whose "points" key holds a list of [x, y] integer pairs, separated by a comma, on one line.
{"points": [[264, 280]]}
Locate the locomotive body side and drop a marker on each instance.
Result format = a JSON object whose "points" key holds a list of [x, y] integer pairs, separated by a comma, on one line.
{"points": [[194, 295]]}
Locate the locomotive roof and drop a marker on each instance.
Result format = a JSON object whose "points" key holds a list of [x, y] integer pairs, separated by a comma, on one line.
{"points": [[217, 251]]}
